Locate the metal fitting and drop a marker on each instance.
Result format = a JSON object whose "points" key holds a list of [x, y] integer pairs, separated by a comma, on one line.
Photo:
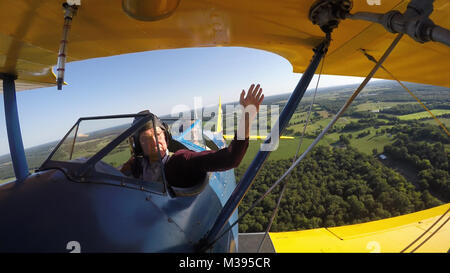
{"points": [[328, 13]]}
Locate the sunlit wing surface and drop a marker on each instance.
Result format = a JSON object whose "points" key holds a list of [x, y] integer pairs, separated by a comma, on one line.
{"points": [[30, 34], [395, 234]]}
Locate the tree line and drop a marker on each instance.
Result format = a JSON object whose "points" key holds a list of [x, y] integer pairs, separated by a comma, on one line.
{"points": [[430, 160], [330, 187]]}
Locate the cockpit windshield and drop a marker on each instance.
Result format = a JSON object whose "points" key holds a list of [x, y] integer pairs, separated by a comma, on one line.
{"points": [[88, 137], [98, 148]]}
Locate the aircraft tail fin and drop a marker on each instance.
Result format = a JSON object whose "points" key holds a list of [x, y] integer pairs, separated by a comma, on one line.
{"points": [[219, 118]]}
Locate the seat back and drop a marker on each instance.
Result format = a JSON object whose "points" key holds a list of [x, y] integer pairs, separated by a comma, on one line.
{"points": [[192, 191]]}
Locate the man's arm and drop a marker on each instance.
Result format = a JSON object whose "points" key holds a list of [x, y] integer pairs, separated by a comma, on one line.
{"points": [[185, 168]]}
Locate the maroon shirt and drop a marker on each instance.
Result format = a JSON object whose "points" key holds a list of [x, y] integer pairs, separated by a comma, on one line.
{"points": [[185, 168]]}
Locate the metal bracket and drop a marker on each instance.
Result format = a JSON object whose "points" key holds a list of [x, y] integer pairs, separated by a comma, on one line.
{"points": [[328, 13]]}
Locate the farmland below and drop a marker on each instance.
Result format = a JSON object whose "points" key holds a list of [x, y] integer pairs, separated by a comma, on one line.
{"points": [[344, 180]]}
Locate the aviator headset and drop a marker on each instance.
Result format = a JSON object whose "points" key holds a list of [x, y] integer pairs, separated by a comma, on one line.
{"points": [[135, 143]]}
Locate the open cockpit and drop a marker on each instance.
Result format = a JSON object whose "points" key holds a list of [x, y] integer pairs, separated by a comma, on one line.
{"points": [[95, 149]]}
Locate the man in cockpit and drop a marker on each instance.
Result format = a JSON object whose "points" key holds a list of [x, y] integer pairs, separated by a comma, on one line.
{"points": [[185, 168]]}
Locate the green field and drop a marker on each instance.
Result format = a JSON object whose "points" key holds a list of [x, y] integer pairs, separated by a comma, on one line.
{"points": [[368, 143], [288, 147], [319, 125], [371, 106], [117, 157], [445, 121], [425, 114]]}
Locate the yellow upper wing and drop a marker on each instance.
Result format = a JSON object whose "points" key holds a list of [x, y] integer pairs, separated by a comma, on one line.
{"points": [[389, 235], [31, 30]]}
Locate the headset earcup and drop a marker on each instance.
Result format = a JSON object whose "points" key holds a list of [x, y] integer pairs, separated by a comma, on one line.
{"points": [[136, 145], [167, 132]]}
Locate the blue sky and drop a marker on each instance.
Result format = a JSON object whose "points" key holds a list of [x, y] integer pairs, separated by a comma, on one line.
{"points": [[155, 80]]}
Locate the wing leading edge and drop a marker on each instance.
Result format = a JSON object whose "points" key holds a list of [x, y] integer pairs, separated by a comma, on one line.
{"points": [[395, 234]]}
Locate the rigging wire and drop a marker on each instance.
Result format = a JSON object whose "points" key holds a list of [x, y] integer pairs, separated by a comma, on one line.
{"points": [[425, 232], [431, 235], [319, 137], [371, 58], [293, 160]]}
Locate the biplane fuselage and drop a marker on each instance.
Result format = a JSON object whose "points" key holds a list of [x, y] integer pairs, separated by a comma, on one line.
{"points": [[50, 212]]}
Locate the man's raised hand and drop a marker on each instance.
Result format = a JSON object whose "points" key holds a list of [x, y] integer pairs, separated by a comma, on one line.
{"points": [[254, 97]]}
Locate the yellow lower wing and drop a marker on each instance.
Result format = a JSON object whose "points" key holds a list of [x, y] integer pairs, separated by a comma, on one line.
{"points": [[388, 235]]}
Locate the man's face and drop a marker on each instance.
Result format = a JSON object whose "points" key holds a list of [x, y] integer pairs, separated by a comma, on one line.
{"points": [[148, 143]]}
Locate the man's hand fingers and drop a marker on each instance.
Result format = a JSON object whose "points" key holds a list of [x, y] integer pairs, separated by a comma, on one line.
{"points": [[255, 91], [254, 96], [250, 90], [242, 96], [258, 95]]}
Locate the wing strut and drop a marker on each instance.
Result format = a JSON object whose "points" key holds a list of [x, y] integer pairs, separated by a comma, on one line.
{"points": [[13, 127], [275, 210], [319, 137], [249, 176]]}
